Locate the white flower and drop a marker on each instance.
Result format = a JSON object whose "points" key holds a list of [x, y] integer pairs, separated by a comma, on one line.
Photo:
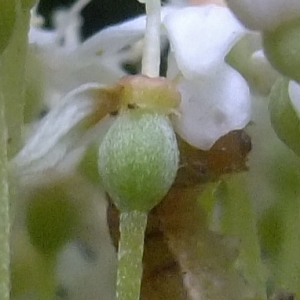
{"points": [[66, 61], [212, 107], [200, 38], [215, 98], [265, 15]]}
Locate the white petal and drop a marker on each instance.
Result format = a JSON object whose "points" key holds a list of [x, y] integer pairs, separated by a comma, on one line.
{"points": [[66, 72], [265, 14], [41, 37], [58, 132], [212, 107], [294, 92], [113, 39], [201, 36]]}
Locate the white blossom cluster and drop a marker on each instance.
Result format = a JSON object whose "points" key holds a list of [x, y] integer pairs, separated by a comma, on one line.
{"points": [[215, 98]]}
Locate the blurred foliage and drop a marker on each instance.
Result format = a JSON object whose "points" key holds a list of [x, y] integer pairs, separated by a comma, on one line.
{"points": [[52, 218]]}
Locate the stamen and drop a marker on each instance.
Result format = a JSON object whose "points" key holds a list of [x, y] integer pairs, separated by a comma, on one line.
{"points": [[151, 51]]}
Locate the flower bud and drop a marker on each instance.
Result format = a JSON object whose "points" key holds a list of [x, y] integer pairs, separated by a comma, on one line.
{"points": [[264, 15], [284, 115], [282, 48], [138, 160]]}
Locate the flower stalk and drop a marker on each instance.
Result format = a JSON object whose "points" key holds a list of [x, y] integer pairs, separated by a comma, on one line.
{"points": [[239, 220], [12, 83], [12, 89], [130, 254], [151, 51], [4, 209]]}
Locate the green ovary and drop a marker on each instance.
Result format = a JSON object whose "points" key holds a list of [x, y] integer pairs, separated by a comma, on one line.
{"points": [[138, 160]]}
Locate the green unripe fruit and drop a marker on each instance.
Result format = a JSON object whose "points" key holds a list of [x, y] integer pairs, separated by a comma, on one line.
{"points": [[52, 219], [7, 21], [138, 160], [282, 48]]}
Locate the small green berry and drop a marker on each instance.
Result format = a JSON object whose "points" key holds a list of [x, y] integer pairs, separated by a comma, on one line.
{"points": [[138, 160]]}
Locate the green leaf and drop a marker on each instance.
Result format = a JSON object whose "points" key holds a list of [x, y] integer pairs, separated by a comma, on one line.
{"points": [[284, 118]]}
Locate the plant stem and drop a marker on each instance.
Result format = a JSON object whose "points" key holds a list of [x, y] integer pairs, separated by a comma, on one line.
{"points": [[130, 255], [12, 79], [151, 52], [239, 220], [12, 88], [47, 284], [4, 209], [287, 262]]}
